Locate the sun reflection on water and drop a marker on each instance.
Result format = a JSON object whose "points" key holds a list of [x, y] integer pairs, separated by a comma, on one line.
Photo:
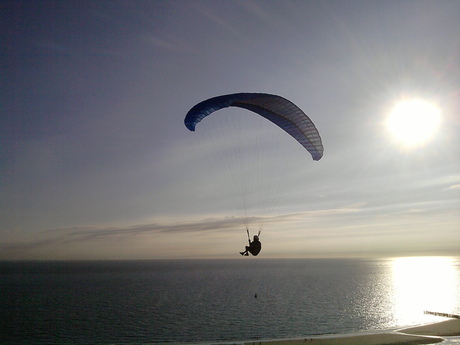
{"points": [[424, 284]]}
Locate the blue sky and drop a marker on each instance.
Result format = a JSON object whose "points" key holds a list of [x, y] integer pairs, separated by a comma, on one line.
{"points": [[96, 163]]}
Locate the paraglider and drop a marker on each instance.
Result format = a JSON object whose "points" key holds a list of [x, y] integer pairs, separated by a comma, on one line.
{"points": [[255, 246], [277, 110]]}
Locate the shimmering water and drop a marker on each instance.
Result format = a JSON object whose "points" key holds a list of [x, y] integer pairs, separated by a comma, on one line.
{"points": [[204, 301]]}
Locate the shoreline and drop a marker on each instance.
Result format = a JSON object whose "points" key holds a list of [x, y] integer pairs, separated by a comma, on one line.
{"points": [[424, 334]]}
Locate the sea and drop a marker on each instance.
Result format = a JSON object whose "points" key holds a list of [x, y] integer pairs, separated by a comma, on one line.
{"points": [[219, 301]]}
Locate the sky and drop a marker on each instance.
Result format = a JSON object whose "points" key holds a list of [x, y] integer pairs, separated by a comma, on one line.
{"points": [[96, 163]]}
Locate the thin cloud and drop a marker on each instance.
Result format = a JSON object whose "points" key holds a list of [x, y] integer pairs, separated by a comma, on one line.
{"points": [[218, 19], [83, 234], [163, 44], [205, 225]]}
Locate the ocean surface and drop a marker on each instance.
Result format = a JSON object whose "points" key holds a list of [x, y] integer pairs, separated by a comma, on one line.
{"points": [[205, 301]]}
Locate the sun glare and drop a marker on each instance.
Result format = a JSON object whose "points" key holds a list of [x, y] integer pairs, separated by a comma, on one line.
{"points": [[413, 122], [424, 284]]}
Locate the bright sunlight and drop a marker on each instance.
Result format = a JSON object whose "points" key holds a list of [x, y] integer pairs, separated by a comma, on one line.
{"points": [[413, 122], [423, 284]]}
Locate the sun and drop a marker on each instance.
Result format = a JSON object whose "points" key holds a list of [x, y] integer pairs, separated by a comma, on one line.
{"points": [[413, 123]]}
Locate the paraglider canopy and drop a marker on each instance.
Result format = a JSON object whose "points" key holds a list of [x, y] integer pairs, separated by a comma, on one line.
{"points": [[276, 109]]}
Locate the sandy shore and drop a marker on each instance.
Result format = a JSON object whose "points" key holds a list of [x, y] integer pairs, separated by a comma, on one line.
{"points": [[445, 328], [427, 334]]}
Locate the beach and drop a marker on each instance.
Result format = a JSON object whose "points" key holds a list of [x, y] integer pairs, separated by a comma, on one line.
{"points": [[426, 334]]}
